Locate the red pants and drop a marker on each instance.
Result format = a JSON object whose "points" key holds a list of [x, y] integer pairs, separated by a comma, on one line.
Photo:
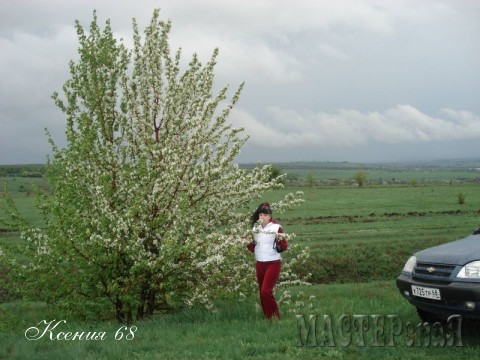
{"points": [[267, 276]]}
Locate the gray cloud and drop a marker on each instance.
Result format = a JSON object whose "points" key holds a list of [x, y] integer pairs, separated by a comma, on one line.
{"points": [[321, 76], [349, 128]]}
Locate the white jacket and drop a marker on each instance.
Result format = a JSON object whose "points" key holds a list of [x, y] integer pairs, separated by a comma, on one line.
{"points": [[264, 239]]}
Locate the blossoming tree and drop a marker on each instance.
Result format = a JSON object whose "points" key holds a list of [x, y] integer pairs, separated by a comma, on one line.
{"points": [[145, 212]]}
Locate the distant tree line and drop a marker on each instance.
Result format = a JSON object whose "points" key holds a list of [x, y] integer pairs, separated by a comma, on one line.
{"points": [[35, 171]]}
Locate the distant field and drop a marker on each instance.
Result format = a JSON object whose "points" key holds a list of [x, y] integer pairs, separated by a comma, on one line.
{"points": [[342, 173], [380, 176], [327, 173]]}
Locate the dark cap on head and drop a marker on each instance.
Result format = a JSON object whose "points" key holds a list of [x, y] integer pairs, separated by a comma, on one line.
{"points": [[264, 208]]}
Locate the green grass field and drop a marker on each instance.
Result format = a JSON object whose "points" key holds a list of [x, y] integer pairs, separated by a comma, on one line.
{"points": [[359, 240], [238, 331]]}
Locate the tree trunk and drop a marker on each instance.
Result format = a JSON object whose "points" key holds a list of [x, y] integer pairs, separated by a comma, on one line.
{"points": [[151, 302], [122, 315]]}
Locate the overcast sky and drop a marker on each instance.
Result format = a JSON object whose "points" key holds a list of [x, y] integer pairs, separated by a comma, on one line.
{"points": [[326, 80]]}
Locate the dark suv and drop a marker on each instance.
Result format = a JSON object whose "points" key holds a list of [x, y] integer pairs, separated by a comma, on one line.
{"points": [[444, 280]]}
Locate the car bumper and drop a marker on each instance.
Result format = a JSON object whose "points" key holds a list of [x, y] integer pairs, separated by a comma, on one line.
{"points": [[460, 298]]}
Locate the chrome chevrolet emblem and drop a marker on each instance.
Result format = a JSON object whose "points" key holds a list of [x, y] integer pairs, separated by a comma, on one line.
{"points": [[431, 269]]}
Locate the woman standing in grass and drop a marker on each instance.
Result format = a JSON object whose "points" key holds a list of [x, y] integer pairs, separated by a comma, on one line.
{"points": [[269, 261]]}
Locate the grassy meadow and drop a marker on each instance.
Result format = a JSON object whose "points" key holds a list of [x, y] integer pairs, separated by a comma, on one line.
{"points": [[360, 238]]}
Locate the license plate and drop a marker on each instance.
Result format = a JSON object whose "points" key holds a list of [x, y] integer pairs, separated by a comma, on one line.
{"points": [[425, 292]]}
